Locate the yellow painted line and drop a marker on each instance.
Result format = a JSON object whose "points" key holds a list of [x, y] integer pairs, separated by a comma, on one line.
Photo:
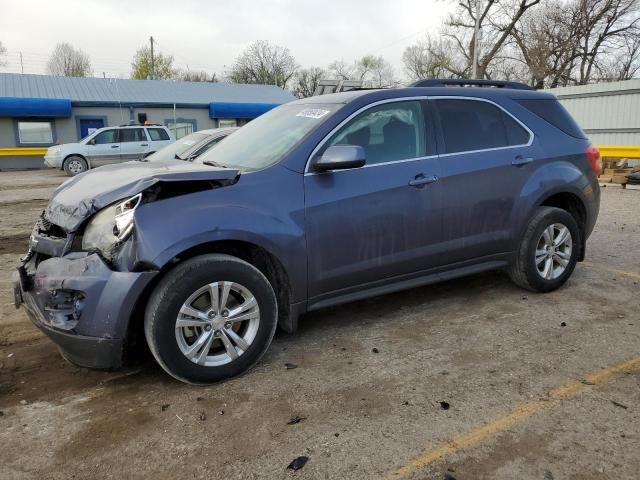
{"points": [[517, 415], [619, 151], [23, 152]]}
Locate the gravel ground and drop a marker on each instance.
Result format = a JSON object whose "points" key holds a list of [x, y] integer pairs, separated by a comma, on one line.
{"points": [[370, 381]]}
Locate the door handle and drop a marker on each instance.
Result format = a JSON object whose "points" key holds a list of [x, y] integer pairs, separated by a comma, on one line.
{"points": [[115, 146], [144, 144], [520, 161], [420, 180]]}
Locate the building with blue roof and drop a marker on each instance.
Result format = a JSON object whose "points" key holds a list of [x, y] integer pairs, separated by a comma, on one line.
{"points": [[37, 111]]}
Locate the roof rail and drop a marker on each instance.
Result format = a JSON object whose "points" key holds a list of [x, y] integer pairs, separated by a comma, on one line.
{"points": [[140, 125], [463, 82]]}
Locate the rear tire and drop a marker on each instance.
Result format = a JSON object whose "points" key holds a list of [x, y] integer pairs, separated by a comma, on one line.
{"points": [[210, 318], [548, 251], [74, 165]]}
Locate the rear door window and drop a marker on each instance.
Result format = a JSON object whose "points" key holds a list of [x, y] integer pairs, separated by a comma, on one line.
{"points": [[132, 135], [470, 125]]}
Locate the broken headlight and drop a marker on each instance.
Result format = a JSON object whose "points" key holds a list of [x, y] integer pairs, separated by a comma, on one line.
{"points": [[110, 226]]}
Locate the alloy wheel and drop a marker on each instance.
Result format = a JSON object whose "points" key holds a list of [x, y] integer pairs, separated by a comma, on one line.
{"points": [[217, 323], [553, 251]]}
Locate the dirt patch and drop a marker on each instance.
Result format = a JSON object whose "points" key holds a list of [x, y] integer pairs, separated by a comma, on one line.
{"points": [[14, 244]]}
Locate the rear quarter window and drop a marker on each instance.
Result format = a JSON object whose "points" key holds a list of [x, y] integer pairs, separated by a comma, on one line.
{"points": [[158, 134], [550, 110]]}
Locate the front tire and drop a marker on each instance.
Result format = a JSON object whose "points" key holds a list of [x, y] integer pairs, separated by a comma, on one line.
{"points": [[548, 251], [74, 165], [212, 317]]}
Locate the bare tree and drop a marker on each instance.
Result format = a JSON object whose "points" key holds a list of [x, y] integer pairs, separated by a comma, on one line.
{"points": [[430, 58], [497, 20], [162, 65], [580, 41], [67, 61], [3, 52], [374, 72], [197, 76], [307, 80], [264, 63]]}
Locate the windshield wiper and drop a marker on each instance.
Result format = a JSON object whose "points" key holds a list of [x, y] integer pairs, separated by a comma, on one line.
{"points": [[211, 163], [178, 157]]}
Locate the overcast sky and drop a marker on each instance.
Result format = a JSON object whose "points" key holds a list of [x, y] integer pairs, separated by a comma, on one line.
{"points": [[208, 35]]}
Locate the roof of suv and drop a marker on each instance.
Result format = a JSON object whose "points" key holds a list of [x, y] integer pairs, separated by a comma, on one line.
{"points": [[384, 93]]}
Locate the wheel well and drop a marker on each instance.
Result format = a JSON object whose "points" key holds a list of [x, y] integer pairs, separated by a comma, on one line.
{"points": [[257, 256], [572, 204]]}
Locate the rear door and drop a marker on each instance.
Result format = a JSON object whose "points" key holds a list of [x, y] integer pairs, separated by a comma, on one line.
{"points": [[134, 144], [367, 225], [486, 157], [104, 148]]}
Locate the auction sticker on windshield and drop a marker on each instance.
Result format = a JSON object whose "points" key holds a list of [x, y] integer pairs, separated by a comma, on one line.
{"points": [[312, 113]]}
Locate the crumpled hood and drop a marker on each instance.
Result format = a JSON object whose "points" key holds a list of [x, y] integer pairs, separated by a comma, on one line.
{"points": [[81, 196]]}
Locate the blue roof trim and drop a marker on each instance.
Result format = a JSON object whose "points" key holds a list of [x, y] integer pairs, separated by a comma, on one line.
{"points": [[34, 107], [238, 109]]}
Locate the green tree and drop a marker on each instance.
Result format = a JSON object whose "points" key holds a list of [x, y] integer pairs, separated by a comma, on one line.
{"points": [[141, 65]]}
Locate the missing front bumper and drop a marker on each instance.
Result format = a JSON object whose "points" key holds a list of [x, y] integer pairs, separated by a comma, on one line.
{"points": [[82, 305]]}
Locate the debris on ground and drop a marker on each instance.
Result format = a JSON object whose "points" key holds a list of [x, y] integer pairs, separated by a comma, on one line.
{"points": [[563, 324], [179, 417], [220, 412], [1, 413], [375, 350], [448, 476], [295, 419], [587, 382], [298, 463], [165, 406], [203, 416], [618, 404], [290, 366], [444, 405], [23, 402], [199, 399], [548, 475]]}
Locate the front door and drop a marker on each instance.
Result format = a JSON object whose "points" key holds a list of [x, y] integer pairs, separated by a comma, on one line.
{"points": [[90, 125], [486, 158], [134, 144], [104, 148], [367, 225]]}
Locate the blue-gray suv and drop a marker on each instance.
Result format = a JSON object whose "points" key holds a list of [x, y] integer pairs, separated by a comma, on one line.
{"points": [[318, 202]]}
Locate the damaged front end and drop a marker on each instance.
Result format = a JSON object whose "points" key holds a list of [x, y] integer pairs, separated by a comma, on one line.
{"points": [[80, 280]]}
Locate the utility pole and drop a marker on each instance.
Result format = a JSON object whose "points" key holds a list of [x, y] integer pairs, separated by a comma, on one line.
{"points": [[21, 65], [153, 66], [476, 35]]}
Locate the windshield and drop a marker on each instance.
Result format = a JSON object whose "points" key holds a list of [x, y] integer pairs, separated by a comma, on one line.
{"points": [[178, 147], [265, 140]]}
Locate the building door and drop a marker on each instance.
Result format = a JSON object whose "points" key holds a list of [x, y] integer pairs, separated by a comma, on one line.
{"points": [[90, 125]]}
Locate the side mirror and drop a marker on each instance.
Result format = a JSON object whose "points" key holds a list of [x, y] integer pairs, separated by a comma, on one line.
{"points": [[339, 157], [91, 142]]}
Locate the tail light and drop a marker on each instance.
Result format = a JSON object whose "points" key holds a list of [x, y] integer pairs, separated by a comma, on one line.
{"points": [[595, 160]]}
